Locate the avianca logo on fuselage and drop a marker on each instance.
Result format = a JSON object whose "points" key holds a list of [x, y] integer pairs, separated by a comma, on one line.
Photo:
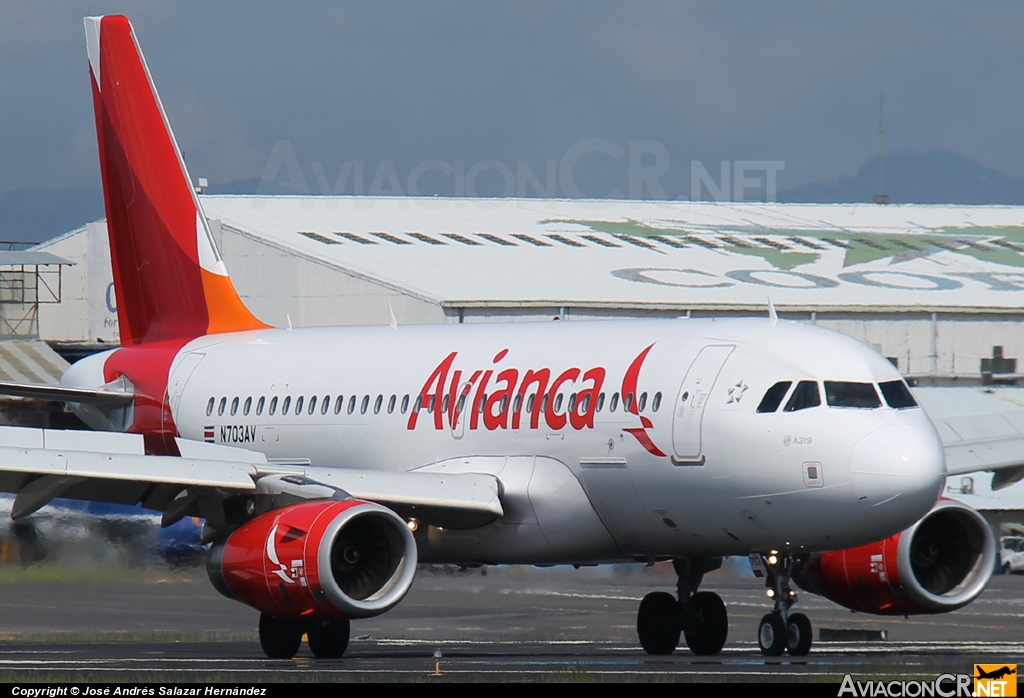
{"points": [[517, 399], [629, 389]]}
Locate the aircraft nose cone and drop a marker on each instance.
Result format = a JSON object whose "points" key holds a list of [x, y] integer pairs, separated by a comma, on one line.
{"points": [[898, 472]]}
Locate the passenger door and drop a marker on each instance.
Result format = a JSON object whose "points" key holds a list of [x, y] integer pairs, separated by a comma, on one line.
{"points": [[691, 401]]}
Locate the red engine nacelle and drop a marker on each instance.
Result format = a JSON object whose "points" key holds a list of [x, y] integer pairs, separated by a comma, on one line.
{"points": [[327, 559], [939, 564]]}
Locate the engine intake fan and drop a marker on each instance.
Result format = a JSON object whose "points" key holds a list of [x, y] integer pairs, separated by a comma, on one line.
{"points": [[939, 564], [322, 559]]}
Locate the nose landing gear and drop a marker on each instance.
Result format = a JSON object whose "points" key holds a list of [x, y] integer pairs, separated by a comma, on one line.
{"points": [[699, 616], [780, 630]]}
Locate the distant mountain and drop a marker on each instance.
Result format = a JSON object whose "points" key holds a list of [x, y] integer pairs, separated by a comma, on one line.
{"points": [[35, 215], [238, 186], [938, 177], [253, 186]]}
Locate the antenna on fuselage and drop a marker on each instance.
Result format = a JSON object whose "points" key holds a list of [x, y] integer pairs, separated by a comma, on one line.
{"points": [[772, 315], [391, 312]]}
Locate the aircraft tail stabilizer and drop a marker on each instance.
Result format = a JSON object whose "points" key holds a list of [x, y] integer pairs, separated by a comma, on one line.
{"points": [[170, 280]]}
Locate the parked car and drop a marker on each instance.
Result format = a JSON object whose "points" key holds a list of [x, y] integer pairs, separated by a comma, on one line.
{"points": [[1011, 554]]}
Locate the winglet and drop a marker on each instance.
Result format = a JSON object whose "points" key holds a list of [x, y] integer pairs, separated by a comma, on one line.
{"points": [[170, 280], [772, 315]]}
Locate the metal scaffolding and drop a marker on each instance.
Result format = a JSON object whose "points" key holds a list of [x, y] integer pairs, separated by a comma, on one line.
{"points": [[27, 279]]}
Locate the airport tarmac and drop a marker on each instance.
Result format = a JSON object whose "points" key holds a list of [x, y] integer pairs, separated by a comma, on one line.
{"points": [[507, 623]]}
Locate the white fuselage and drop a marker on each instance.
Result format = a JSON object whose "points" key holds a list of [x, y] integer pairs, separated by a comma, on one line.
{"points": [[688, 467]]}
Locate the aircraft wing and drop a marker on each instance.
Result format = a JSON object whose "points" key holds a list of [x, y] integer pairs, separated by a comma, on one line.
{"points": [[464, 500], [988, 442], [60, 393], [38, 465]]}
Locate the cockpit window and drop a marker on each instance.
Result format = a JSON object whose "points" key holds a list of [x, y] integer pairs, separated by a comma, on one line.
{"points": [[806, 395], [773, 398], [859, 395], [897, 395]]}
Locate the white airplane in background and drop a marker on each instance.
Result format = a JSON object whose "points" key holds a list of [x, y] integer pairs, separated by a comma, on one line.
{"points": [[328, 461]]}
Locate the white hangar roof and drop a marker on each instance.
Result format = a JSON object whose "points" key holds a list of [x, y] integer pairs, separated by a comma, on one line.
{"points": [[595, 253]]}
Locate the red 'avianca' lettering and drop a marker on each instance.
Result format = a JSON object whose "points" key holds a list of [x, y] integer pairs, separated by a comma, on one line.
{"points": [[569, 399], [447, 395]]}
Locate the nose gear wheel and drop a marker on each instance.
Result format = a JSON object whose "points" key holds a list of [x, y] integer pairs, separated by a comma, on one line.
{"points": [[781, 631], [798, 635], [771, 635]]}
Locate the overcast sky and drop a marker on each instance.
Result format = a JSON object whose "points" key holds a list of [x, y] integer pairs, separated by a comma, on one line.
{"points": [[459, 81]]}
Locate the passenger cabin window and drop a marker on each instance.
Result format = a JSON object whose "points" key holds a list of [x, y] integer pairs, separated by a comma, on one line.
{"points": [[312, 405], [859, 395], [806, 395], [897, 395], [220, 407], [286, 404], [298, 405], [366, 403], [773, 398], [600, 402], [259, 405], [405, 403], [339, 402], [247, 406], [325, 405], [209, 406], [656, 403], [615, 402], [379, 402], [643, 401], [273, 405], [352, 404], [391, 404]]}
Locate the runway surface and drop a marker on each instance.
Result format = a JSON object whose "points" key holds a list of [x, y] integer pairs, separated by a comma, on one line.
{"points": [[510, 623]]}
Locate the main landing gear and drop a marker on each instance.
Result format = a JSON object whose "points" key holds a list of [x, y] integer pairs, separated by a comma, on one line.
{"points": [[281, 638], [781, 631], [699, 616]]}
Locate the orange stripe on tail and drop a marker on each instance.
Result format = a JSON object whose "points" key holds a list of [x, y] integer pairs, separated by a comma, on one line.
{"points": [[226, 311]]}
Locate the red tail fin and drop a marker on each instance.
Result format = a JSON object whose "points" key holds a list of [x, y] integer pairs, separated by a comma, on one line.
{"points": [[170, 281]]}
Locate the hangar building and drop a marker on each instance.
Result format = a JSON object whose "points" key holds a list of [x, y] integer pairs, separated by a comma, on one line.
{"points": [[938, 289]]}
